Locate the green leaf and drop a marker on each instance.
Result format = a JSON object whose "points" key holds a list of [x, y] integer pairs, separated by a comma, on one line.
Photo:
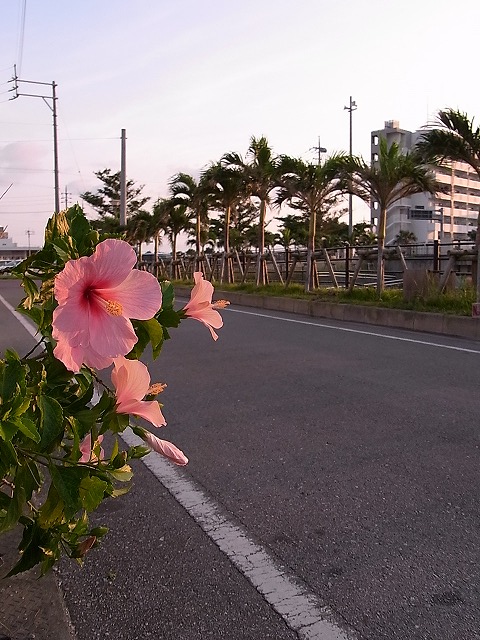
{"points": [[138, 451], [86, 418], [79, 228], [31, 290], [34, 540], [28, 477], [52, 512], [14, 509], [99, 532], [155, 334], [63, 249], [51, 421], [28, 428], [8, 457], [169, 318], [67, 482], [168, 295], [92, 491], [8, 428], [115, 422], [124, 474], [143, 339], [13, 375]]}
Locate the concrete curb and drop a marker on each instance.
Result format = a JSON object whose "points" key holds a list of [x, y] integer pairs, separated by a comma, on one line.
{"points": [[444, 324]]}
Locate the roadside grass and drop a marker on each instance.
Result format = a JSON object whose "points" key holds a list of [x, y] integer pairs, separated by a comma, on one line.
{"points": [[455, 302]]}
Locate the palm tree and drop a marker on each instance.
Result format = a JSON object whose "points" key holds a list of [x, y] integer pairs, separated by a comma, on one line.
{"points": [[193, 194], [160, 215], [227, 191], [285, 239], [259, 171], [405, 237], [138, 230], [362, 234], [394, 176], [454, 137], [313, 189], [174, 219]]}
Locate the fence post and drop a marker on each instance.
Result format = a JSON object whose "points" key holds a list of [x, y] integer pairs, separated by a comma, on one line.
{"points": [[436, 251]]}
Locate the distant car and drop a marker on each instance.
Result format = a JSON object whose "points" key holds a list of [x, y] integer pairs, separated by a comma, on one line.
{"points": [[6, 265]]}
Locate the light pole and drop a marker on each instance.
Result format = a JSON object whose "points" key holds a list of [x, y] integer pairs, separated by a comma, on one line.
{"points": [[351, 108]]}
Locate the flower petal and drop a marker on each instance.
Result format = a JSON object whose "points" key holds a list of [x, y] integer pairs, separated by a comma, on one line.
{"points": [[112, 262], [139, 294], [201, 292], [111, 336], [167, 449], [131, 380], [72, 357], [147, 409]]}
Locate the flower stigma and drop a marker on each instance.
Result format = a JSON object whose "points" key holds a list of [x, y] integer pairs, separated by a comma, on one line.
{"points": [[156, 388], [114, 308], [220, 304]]}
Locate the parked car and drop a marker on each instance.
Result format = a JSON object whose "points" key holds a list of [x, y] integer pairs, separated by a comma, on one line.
{"points": [[6, 265]]}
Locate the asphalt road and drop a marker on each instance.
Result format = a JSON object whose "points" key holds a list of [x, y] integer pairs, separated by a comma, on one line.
{"points": [[350, 453]]}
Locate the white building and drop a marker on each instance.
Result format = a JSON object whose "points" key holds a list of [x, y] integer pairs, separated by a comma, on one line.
{"points": [[446, 216], [9, 250]]}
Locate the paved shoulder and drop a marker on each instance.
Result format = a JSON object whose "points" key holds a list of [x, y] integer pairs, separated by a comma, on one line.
{"points": [[31, 607]]}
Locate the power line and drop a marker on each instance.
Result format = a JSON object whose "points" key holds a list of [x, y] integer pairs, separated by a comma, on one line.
{"points": [[21, 37], [22, 213]]}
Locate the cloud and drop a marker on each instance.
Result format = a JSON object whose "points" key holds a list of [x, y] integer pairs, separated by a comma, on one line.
{"points": [[26, 156]]}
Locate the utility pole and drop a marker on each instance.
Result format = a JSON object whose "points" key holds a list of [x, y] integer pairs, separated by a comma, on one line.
{"points": [[351, 108], [53, 108], [320, 150], [29, 233], [123, 180], [66, 195]]}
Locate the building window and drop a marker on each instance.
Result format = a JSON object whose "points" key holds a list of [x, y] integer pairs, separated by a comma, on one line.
{"points": [[375, 140]]}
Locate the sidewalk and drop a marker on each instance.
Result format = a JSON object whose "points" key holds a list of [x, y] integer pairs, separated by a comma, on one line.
{"points": [[31, 609]]}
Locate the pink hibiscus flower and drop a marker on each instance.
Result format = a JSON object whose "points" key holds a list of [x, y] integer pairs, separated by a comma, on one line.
{"points": [[132, 383], [86, 449], [165, 448], [97, 295], [200, 305]]}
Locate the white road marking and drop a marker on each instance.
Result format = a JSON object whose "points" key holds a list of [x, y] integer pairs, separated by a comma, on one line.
{"points": [[365, 333], [23, 321], [300, 608]]}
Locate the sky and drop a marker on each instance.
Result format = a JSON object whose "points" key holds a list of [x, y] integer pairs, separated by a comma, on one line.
{"points": [[190, 80]]}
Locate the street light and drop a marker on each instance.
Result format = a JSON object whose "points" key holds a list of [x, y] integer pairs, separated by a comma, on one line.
{"points": [[351, 108]]}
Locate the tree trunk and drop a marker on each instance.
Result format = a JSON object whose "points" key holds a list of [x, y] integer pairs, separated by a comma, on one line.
{"points": [[260, 279], [198, 243], [226, 247], [155, 254], [311, 250], [477, 245], [382, 224]]}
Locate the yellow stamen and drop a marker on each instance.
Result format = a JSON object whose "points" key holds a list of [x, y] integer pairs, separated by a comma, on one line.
{"points": [[156, 388], [220, 304], [114, 308]]}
